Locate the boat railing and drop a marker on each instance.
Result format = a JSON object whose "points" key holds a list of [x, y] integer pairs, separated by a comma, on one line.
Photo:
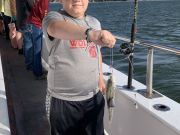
{"points": [[149, 70]]}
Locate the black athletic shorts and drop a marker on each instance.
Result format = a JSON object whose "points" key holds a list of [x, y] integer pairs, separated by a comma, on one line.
{"points": [[77, 117]]}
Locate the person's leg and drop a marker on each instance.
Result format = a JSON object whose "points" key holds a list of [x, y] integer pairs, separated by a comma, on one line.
{"points": [[19, 39], [21, 51], [94, 115], [66, 117], [37, 47], [1, 24], [28, 46], [7, 20]]}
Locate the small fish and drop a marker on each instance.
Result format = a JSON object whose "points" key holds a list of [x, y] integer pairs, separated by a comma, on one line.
{"points": [[110, 96]]}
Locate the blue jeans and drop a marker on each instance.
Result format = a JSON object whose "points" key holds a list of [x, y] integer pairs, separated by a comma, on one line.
{"points": [[32, 48]]}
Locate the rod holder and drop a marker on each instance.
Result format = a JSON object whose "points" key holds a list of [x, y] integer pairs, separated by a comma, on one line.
{"points": [[149, 74]]}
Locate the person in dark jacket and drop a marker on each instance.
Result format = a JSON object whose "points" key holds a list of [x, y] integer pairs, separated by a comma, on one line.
{"points": [[23, 9]]}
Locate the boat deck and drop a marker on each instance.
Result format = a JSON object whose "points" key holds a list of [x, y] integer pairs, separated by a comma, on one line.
{"points": [[25, 95]]}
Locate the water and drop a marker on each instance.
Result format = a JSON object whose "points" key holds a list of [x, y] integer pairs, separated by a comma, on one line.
{"points": [[158, 22]]}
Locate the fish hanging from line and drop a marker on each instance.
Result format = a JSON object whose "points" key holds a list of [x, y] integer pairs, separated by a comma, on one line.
{"points": [[110, 96]]}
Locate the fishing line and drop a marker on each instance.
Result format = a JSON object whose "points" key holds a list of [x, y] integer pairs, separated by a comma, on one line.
{"points": [[111, 59], [121, 59], [118, 65], [126, 29], [129, 17], [107, 55], [130, 62], [111, 49]]}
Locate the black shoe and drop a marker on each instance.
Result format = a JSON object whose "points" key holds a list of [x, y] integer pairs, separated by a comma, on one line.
{"points": [[29, 68], [7, 38], [20, 51], [45, 72], [42, 77]]}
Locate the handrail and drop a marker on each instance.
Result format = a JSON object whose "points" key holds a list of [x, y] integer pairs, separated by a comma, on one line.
{"points": [[149, 68], [139, 42]]}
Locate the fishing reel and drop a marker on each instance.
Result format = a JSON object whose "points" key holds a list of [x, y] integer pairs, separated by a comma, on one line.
{"points": [[126, 48]]}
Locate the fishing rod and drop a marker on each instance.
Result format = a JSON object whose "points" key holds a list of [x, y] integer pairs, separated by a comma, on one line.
{"points": [[133, 36]]}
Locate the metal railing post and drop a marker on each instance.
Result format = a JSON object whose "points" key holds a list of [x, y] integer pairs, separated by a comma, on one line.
{"points": [[149, 74]]}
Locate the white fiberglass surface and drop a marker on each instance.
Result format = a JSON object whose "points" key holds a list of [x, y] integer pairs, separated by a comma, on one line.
{"points": [[170, 118]]}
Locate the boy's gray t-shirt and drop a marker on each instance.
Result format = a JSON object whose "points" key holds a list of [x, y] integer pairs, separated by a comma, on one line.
{"points": [[73, 72]]}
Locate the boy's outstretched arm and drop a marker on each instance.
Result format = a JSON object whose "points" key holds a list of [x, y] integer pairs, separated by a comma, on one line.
{"points": [[67, 30]]}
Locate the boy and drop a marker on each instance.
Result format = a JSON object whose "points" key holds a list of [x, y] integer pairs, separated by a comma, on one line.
{"points": [[75, 76]]}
